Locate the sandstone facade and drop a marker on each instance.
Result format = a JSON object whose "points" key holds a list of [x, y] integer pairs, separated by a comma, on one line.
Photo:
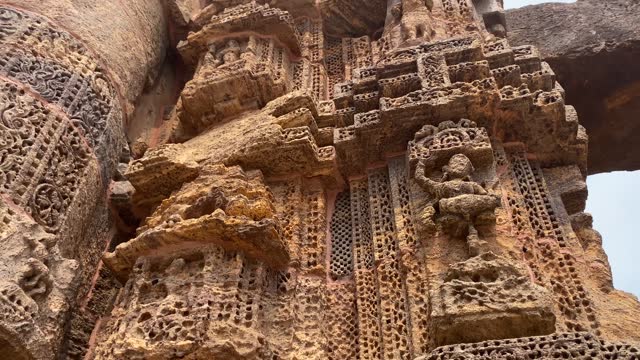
{"points": [[68, 88], [334, 180]]}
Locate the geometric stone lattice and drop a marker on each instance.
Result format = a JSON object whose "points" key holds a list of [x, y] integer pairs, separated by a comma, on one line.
{"points": [[330, 179]]}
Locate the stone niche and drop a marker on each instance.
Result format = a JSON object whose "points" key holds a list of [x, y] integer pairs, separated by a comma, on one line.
{"points": [[337, 180], [235, 75], [478, 290]]}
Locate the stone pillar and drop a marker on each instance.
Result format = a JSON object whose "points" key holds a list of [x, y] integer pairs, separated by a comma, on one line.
{"points": [[70, 72]]}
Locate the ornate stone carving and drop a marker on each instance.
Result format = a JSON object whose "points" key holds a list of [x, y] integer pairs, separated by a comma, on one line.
{"points": [[243, 74], [335, 180], [460, 201], [250, 17], [37, 285], [61, 130], [63, 72], [43, 158], [368, 187], [559, 346], [229, 207]]}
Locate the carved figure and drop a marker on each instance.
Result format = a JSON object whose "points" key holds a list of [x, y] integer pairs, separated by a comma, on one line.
{"points": [[417, 22], [211, 58], [459, 199], [323, 257], [35, 278], [230, 53], [214, 57]]}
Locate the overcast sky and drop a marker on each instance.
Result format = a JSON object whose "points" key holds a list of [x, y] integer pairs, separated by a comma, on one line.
{"points": [[614, 201]]}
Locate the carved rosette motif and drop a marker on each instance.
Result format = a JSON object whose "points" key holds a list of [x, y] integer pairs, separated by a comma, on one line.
{"points": [[58, 111], [329, 194], [60, 131]]}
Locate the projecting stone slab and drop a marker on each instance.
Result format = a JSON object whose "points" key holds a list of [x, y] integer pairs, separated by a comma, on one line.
{"points": [[488, 297], [223, 206]]}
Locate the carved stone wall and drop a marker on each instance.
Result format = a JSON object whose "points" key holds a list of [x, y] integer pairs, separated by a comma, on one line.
{"points": [[427, 181], [62, 119], [336, 180], [127, 40]]}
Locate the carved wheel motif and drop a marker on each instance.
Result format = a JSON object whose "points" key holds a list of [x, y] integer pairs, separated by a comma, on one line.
{"points": [[47, 206], [56, 109]]}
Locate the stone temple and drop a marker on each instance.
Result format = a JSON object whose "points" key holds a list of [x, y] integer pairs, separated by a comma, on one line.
{"points": [[312, 179]]}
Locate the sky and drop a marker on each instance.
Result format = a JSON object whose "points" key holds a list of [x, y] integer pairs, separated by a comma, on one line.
{"points": [[613, 201]]}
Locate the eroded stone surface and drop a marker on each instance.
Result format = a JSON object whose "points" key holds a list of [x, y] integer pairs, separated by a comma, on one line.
{"points": [[37, 288], [62, 114], [224, 206], [428, 185], [336, 180]]}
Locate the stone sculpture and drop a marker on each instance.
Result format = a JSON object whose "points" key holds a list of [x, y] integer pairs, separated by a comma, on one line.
{"points": [[460, 200], [324, 179]]}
